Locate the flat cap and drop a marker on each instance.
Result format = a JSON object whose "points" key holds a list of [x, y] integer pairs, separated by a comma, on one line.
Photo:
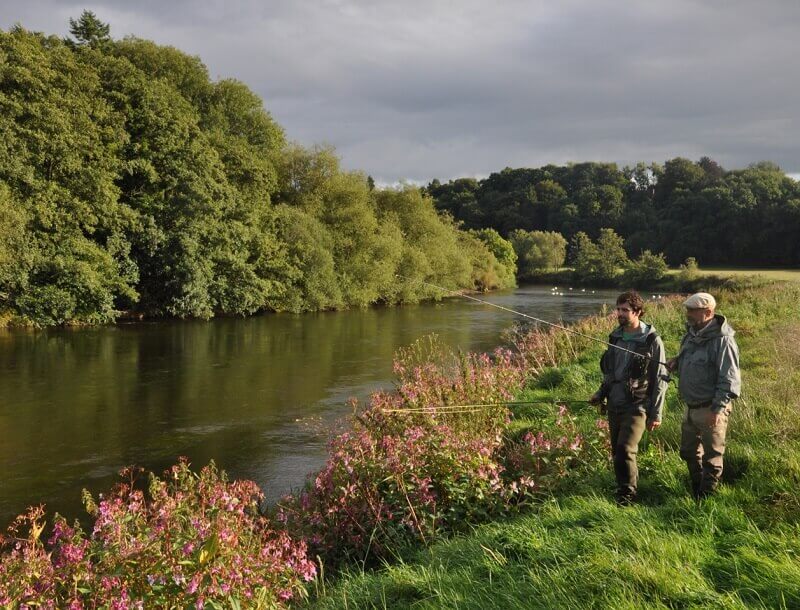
{"points": [[700, 300]]}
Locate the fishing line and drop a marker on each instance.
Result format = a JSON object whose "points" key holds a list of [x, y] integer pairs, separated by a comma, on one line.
{"points": [[524, 315]]}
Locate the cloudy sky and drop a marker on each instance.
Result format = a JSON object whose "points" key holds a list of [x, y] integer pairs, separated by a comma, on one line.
{"points": [[422, 89]]}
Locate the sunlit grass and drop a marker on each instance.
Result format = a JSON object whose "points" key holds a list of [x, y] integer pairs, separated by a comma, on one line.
{"points": [[789, 275], [740, 549]]}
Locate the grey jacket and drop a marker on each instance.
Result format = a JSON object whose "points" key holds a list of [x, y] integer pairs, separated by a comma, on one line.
{"points": [[708, 365], [614, 386]]}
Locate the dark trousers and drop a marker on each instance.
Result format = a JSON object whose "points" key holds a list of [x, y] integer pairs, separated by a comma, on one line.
{"points": [[626, 430]]}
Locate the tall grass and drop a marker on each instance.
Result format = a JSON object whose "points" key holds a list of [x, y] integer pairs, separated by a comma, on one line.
{"points": [[576, 549]]}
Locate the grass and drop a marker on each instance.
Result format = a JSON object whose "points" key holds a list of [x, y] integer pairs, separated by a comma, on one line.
{"points": [[787, 275], [577, 549]]}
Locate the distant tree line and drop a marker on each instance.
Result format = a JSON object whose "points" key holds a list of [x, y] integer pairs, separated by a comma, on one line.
{"points": [[130, 181], [681, 209]]}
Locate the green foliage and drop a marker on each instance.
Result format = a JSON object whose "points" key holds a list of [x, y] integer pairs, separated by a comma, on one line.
{"points": [[683, 208], [131, 181], [646, 269], [59, 162], [505, 258], [16, 253], [538, 251], [431, 245], [689, 271], [89, 30]]}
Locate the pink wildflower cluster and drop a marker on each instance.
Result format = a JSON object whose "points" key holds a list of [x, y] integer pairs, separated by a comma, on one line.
{"points": [[411, 470], [550, 453], [458, 378], [192, 540], [380, 489]]}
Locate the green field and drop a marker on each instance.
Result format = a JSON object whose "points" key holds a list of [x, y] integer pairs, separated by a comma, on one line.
{"points": [[789, 275], [577, 549]]}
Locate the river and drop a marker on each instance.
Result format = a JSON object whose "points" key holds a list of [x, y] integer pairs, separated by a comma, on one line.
{"points": [[259, 395]]}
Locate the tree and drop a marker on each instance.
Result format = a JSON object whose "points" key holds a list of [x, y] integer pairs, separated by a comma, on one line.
{"points": [[584, 256], [89, 30], [599, 261], [613, 257], [504, 254], [538, 251]]}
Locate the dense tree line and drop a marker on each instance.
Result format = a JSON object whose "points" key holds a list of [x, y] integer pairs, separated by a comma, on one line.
{"points": [[130, 181], [681, 208]]}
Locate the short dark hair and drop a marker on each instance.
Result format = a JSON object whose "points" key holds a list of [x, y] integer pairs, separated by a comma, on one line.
{"points": [[632, 298]]}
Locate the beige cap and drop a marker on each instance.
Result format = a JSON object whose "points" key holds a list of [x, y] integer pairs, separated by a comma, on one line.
{"points": [[700, 300]]}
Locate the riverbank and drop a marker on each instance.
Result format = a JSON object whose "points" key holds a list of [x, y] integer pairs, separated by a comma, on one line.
{"points": [[478, 507], [674, 280], [575, 548]]}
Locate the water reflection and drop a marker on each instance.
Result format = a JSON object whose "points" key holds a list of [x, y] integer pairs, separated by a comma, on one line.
{"points": [[257, 394]]}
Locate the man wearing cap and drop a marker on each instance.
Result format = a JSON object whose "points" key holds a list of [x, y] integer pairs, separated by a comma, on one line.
{"points": [[708, 367], [634, 386]]}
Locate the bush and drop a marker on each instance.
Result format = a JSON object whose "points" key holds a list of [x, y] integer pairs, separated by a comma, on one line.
{"points": [[197, 540], [689, 271], [646, 269]]}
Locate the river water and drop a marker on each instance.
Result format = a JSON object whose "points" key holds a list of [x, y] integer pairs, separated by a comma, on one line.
{"points": [[259, 395]]}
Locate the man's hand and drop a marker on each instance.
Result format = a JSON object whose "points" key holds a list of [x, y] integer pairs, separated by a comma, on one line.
{"points": [[652, 425], [672, 364], [598, 400]]}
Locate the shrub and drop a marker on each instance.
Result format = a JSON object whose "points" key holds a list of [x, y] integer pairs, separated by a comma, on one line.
{"points": [[196, 540], [689, 271], [646, 269]]}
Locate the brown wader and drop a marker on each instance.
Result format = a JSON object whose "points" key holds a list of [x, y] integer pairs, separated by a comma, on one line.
{"points": [[702, 447], [626, 429]]}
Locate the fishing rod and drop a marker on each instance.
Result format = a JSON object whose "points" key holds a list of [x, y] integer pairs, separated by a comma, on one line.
{"points": [[524, 315], [469, 408]]}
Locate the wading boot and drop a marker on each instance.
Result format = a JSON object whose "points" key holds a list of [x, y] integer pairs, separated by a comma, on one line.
{"points": [[707, 489], [696, 486], [625, 498]]}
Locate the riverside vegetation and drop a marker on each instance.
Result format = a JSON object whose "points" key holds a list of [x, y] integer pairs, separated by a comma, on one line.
{"points": [[132, 182], [491, 507]]}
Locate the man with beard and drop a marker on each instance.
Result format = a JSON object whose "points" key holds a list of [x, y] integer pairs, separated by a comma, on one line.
{"points": [[708, 368], [634, 385]]}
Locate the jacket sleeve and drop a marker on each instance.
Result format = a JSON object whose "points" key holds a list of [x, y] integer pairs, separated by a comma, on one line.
{"points": [[656, 406], [729, 380]]}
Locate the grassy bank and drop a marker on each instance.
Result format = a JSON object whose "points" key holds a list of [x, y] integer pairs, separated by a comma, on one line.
{"points": [[788, 275], [675, 280], [575, 548]]}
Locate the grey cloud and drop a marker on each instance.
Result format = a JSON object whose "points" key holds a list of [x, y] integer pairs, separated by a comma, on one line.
{"points": [[417, 90]]}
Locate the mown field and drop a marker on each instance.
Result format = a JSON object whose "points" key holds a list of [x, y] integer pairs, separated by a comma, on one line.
{"points": [[576, 549]]}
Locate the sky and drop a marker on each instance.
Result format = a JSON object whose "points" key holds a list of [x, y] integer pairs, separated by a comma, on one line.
{"points": [[421, 89]]}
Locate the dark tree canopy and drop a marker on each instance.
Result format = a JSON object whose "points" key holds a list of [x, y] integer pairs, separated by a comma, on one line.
{"points": [[683, 208]]}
